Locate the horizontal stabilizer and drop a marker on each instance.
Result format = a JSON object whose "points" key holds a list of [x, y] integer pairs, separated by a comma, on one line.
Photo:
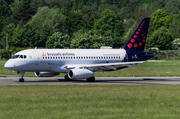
{"points": [[154, 54]]}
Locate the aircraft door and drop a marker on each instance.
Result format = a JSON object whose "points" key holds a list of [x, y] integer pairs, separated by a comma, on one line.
{"points": [[36, 57]]}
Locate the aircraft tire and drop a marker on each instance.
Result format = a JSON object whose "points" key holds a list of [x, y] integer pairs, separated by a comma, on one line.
{"points": [[92, 79], [21, 80], [67, 78]]}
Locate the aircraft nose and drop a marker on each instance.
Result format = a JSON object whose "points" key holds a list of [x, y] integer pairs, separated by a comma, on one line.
{"points": [[8, 65]]}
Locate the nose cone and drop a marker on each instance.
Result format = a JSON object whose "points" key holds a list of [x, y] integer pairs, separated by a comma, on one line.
{"points": [[9, 65]]}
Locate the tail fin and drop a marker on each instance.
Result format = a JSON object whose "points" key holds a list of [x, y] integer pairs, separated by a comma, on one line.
{"points": [[138, 39]]}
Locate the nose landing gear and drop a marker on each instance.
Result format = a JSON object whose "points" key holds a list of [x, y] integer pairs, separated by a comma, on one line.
{"points": [[21, 80], [22, 75]]}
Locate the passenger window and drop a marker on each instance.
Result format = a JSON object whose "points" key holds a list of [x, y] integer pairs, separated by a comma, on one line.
{"points": [[25, 56]]}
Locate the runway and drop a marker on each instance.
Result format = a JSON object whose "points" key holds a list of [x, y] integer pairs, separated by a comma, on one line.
{"points": [[14, 80]]}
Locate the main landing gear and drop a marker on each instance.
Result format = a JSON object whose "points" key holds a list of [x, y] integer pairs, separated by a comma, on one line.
{"points": [[22, 75], [92, 79], [67, 78]]}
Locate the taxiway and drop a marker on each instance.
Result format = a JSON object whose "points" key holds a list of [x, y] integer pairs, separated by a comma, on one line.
{"points": [[14, 80]]}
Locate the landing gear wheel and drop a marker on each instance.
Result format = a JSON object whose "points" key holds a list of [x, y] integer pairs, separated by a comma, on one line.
{"points": [[92, 79], [21, 80], [67, 78], [22, 75]]}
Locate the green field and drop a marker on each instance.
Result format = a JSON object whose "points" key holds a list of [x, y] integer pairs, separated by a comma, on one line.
{"points": [[90, 101], [157, 68]]}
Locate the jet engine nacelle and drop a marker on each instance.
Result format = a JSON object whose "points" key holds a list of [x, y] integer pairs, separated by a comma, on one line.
{"points": [[80, 74], [45, 74]]}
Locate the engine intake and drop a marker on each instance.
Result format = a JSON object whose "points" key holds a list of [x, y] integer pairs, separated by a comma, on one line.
{"points": [[46, 74], [80, 74]]}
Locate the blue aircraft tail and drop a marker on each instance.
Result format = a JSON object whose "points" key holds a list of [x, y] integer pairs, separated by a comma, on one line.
{"points": [[138, 39]]}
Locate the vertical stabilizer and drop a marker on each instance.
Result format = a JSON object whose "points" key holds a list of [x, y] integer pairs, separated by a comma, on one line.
{"points": [[138, 39]]}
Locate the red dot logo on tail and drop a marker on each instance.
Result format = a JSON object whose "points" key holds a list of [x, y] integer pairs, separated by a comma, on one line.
{"points": [[140, 44], [135, 36], [132, 40], [129, 45], [135, 45]]}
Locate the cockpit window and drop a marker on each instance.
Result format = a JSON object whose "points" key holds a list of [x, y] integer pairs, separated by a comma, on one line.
{"points": [[19, 56], [14, 56]]}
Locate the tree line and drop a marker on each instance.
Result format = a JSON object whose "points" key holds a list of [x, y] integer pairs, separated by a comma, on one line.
{"points": [[86, 23]]}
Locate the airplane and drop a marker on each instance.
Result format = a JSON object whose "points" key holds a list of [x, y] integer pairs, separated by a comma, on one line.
{"points": [[82, 63]]}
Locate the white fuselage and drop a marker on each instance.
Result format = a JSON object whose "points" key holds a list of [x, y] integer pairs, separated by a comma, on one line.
{"points": [[54, 60]]}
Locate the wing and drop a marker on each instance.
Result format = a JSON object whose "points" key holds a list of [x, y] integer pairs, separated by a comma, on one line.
{"points": [[104, 66]]}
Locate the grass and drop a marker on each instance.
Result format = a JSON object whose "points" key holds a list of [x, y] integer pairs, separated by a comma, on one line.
{"points": [[150, 69], [90, 101]]}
